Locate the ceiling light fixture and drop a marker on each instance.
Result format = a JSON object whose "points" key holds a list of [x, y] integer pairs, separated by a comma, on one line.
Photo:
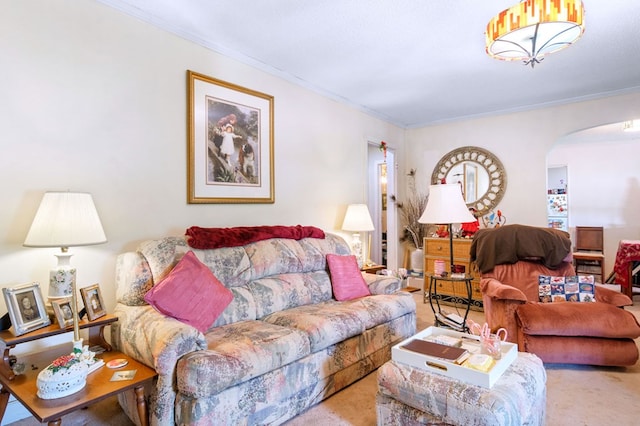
{"points": [[534, 28], [631, 126]]}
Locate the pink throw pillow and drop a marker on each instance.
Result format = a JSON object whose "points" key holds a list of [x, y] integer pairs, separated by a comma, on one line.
{"points": [[190, 293], [346, 279]]}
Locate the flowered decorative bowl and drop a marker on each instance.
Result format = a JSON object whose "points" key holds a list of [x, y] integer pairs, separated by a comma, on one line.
{"points": [[66, 375]]}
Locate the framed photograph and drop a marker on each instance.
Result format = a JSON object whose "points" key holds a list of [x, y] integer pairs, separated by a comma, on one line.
{"points": [[230, 143], [93, 302], [63, 311], [26, 308]]}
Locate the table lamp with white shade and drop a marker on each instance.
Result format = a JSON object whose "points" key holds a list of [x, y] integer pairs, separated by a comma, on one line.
{"points": [[358, 219], [65, 219], [446, 206]]}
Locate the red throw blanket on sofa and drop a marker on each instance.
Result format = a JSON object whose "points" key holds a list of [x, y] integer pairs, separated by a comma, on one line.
{"points": [[211, 238]]}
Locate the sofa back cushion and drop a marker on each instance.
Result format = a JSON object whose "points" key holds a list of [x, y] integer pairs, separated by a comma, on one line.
{"points": [[264, 277], [524, 275]]}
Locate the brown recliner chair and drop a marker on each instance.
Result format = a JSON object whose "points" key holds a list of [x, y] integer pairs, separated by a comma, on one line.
{"points": [[599, 333]]}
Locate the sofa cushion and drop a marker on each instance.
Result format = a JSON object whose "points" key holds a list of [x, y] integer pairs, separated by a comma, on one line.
{"points": [[287, 291], [346, 278], [190, 293], [577, 319], [379, 309], [236, 353], [571, 288], [328, 323], [324, 323]]}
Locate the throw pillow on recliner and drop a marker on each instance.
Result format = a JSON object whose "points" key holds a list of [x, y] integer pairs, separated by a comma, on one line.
{"points": [[574, 288]]}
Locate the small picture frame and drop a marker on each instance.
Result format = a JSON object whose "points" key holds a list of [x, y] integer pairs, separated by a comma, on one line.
{"points": [[26, 308], [93, 302], [64, 311]]}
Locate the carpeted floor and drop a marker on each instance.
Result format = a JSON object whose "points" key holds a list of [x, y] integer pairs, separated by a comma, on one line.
{"points": [[576, 395]]}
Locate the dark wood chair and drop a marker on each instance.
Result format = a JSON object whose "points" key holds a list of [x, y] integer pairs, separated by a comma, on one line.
{"points": [[588, 256]]}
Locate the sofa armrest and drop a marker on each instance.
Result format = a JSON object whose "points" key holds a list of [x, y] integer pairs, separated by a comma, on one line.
{"points": [[382, 284], [152, 338], [612, 297], [497, 290], [157, 341]]}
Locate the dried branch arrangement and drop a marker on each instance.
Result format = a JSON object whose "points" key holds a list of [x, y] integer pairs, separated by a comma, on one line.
{"points": [[410, 212]]}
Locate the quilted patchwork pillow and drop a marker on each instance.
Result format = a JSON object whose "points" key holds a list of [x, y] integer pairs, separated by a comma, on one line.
{"points": [[574, 288], [191, 294], [346, 279]]}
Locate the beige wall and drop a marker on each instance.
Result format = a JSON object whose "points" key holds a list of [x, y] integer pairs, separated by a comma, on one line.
{"points": [[604, 188], [93, 100], [522, 142]]}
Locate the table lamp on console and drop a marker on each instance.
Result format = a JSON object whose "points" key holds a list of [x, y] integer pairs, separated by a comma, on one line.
{"points": [[446, 206], [65, 219]]}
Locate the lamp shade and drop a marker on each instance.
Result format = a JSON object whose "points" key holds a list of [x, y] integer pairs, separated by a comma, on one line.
{"points": [[357, 219], [65, 219], [446, 205]]}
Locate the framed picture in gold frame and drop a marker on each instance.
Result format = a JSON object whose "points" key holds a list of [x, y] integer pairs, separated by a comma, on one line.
{"points": [[63, 311], [93, 302], [230, 142]]}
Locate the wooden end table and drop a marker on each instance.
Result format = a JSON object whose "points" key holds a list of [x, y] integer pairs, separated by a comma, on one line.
{"points": [[99, 386], [372, 269]]}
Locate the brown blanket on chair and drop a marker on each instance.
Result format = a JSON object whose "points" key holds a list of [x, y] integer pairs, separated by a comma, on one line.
{"points": [[211, 238], [511, 243]]}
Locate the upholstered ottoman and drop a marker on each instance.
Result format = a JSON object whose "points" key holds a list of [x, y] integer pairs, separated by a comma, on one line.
{"points": [[411, 396]]}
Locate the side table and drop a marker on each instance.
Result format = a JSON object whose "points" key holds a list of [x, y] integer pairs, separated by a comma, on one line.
{"points": [[372, 269], [432, 294], [96, 337], [99, 386]]}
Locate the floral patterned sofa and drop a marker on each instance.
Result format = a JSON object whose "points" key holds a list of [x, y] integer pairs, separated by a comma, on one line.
{"points": [[283, 344]]}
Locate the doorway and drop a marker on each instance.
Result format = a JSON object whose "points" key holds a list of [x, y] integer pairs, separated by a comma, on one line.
{"points": [[381, 182], [557, 202]]}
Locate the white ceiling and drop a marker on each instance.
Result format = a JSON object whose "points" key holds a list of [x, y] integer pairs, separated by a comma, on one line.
{"points": [[409, 62]]}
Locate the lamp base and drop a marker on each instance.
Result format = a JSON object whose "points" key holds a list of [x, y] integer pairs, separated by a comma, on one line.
{"points": [[62, 277], [356, 248]]}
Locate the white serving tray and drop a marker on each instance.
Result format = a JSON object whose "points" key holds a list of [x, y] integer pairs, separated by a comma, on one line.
{"points": [[455, 371]]}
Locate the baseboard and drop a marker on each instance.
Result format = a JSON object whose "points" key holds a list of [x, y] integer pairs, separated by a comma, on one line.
{"points": [[15, 411]]}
